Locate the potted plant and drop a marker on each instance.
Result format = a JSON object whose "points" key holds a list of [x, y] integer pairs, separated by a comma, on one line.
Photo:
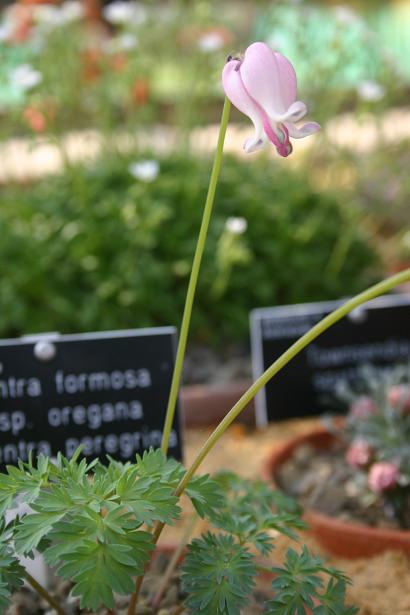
{"points": [[354, 476], [98, 525]]}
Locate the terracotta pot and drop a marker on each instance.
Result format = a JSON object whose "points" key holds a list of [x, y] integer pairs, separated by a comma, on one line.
{"points": [[344, 539], [208, 404]]}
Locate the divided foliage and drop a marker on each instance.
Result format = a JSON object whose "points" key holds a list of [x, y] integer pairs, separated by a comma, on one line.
{"points": [[93, 526], [105, 251], [220, 569], [88, 520]]}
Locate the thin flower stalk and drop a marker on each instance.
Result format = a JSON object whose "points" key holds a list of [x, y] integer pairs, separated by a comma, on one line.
{"points": [[193, 280]]}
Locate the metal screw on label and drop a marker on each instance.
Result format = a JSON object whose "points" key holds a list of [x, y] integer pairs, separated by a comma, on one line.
{"points": [[45, 351], [358, 315]]}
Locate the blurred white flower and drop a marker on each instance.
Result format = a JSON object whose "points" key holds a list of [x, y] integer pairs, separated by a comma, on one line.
{"points": [[236, 225], [6, 30], [127, 41], [145, 170], [121, 12], [72, 10], [25, 77], [346, 15], [122, 42], [212, 41], [370, 91], [49, 15]]}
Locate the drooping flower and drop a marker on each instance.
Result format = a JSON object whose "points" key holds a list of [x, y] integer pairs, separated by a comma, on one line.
{"points": [[398, 396], [262, 85], [362, 407], [359, 454], [383, 476]]}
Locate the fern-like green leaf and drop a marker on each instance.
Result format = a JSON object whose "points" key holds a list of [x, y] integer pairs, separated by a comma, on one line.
{"points": [[154, 463], [24, 481], [148, 498], [217, 575], [11, 573], [100, 554], [205, 494], [298, 587], [332, 601], [33, 528], [248, 512]]}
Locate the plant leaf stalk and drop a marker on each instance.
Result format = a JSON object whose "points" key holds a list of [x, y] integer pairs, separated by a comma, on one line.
{"points": [[173, 562], [193, 280], [44, 593]]}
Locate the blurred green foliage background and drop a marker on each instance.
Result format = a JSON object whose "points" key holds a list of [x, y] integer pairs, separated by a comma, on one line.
{"points": [[101, 245]]}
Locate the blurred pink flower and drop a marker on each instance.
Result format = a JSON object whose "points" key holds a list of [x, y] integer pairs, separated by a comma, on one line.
{"points": [[359, 454], [383, 476], [262, 85], [362, 407], [35, 118], [398, 396]]}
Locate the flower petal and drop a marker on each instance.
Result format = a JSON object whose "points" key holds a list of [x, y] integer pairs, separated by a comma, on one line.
{"points": [[304, 131], [296, 112], [261, 78], [237, 94], [288, 83], [254, 143]]}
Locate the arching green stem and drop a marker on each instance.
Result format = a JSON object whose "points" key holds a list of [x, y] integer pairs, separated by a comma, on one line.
{"points": [[300, 344]]}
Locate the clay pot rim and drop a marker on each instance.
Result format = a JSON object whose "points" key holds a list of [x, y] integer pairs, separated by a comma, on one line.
{"points": [[318, 438]]}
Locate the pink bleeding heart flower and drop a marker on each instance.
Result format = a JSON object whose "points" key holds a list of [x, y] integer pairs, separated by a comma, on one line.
{"points": [[262, 85], [362, 407], [359, 454], [383, 476], [398, 396]]}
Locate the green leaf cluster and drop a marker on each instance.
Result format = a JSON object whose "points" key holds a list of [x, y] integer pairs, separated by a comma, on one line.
{"points": [[299, 587], [88, 520], [253, 513], [91, 523], [11, 573], [218, 575]]}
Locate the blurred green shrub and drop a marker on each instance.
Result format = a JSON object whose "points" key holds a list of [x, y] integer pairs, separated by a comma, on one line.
{"points": [[382, 190], [95, 248]]}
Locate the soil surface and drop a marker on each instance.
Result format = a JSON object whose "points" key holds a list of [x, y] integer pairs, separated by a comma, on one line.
{"points": [[324, 481]]}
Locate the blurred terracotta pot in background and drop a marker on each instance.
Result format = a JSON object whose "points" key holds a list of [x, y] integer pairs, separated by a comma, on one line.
{"points": [[342, 538]]}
